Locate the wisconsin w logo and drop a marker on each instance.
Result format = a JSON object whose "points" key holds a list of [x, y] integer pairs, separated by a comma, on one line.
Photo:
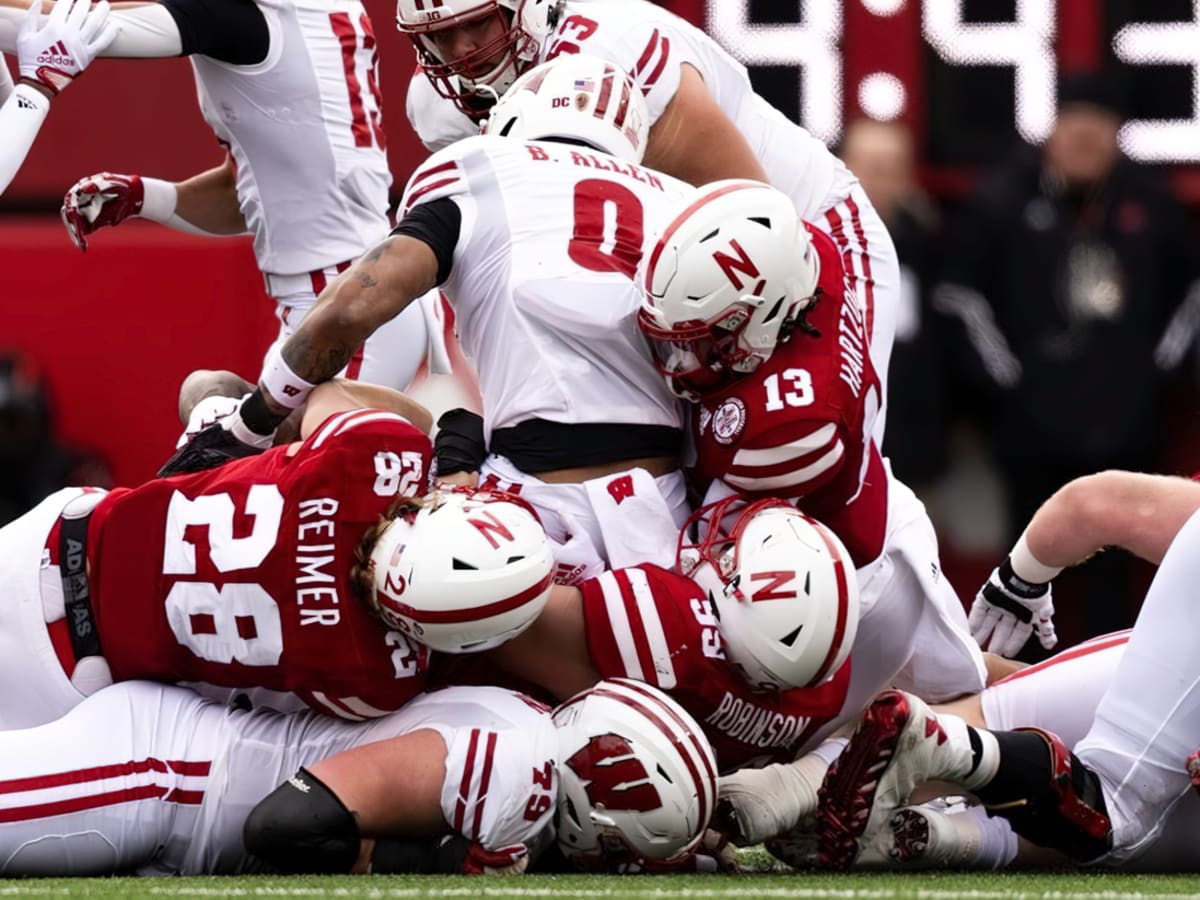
{"points": [[613, 776]]}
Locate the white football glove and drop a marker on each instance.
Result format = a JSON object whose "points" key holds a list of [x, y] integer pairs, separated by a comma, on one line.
{"points": [[55, 50], [1008, 609], [207, 412]]}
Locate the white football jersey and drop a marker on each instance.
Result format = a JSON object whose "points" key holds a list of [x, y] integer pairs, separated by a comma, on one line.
{"points": [[305, 129], [652, 44], [542, 278], [494, 739]]}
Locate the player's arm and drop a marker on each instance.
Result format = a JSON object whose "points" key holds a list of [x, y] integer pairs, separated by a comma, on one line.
{"points": [[1137, 512], [414, 259], [45, 70], [695, 141], [552, 652], [205, 204], [321, 820]]}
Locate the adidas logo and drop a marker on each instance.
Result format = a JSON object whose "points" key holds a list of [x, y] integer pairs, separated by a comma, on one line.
{"points": [[58, 55], [25, 103]]}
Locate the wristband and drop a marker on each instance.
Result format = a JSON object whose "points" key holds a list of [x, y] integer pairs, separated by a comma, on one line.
{"points": [[1028, 567], [257, 418], [158, 200], [285, 386]]}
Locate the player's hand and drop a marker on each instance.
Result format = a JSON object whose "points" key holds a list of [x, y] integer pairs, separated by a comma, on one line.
{"points": [[99, 200], [505, 861], [52, 52], [208, 412], [1008, 609], [226, 439]]}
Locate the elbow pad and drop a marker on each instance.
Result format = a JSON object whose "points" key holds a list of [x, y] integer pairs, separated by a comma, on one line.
{"points": [[303, 827], [459, 445]]}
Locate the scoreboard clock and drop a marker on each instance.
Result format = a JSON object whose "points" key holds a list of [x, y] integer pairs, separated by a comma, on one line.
{"points": [[969, 76]]}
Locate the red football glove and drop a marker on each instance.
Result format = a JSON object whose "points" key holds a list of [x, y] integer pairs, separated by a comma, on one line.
{"points": [[505, 861], [99, 200]]}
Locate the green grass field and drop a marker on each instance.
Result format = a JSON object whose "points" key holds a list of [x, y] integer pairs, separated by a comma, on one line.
{"points": [[922, 886], [763, 882]]}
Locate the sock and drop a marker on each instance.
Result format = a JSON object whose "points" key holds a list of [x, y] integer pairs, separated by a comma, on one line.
{"points": [[1021, 769], [998, 842], [831, 749]]}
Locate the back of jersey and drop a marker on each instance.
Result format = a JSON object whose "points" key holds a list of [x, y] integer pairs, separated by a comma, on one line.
{"points": [[542, 277], [306, 131], [239, 576]]}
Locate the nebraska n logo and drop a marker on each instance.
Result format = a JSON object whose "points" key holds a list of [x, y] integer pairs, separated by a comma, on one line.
{"points": [[742, 264], [613, 776]]}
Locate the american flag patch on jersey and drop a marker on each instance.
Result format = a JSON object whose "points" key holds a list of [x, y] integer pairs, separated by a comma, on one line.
{"points": [[585, 84]]}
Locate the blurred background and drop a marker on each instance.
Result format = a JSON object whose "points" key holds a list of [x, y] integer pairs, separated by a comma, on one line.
{"points": [[1035, 160]]}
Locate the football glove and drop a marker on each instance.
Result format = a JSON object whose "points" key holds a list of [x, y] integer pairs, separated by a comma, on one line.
{"points": [[55, 50], [1008, 609], [100, 200]]}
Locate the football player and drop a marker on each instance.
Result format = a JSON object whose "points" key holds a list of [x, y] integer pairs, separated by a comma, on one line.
{"points": [[706, 122], [154, 779], [50, 55], [751, 315], [535, 244], [291, 91], [237, 577], [1109, 800]]}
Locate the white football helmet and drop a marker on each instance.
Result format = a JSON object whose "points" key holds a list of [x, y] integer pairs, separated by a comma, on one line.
{"points": [[727, 280], [578, 97], [475, 80], [465, 571], [782, 585], [637, 778]]}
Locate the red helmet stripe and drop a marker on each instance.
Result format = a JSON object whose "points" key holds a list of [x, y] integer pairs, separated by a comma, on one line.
{"points": [[678, 221], [623, 106], [606, 89], [470, 613], [839, 630]]}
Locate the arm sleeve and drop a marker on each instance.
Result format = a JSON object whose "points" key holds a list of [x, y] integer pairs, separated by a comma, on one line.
{"points": [[146, 32], [437, 224], [232, 31], [6, 82], [21, 118]]}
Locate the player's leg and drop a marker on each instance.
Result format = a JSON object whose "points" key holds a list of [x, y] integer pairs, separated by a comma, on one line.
{"points": [[946, 662], [112, 785], [1148, 722]]}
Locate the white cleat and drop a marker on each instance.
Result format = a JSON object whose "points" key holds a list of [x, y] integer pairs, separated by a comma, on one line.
{"points": [[898, 745], [924, 837]]}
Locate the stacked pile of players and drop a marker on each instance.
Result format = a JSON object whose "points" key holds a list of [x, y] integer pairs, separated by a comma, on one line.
{"points": [[296, 553]]}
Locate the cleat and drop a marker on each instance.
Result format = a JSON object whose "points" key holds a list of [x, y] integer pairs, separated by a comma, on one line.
{"points": [[924, 837], [898, 745]]}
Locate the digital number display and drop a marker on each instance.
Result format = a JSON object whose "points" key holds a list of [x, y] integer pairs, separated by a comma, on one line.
{"points": [[968, 75]]}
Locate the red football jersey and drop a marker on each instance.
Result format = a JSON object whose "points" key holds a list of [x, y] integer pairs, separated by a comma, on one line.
{"points": [[653, 625], [239, 576], [800, 426]]}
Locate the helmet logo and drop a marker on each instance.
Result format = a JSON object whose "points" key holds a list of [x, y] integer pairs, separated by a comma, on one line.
{"points": [[776, 588], [488, 525], [728, 420], [733, 266], [613, 776]]}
